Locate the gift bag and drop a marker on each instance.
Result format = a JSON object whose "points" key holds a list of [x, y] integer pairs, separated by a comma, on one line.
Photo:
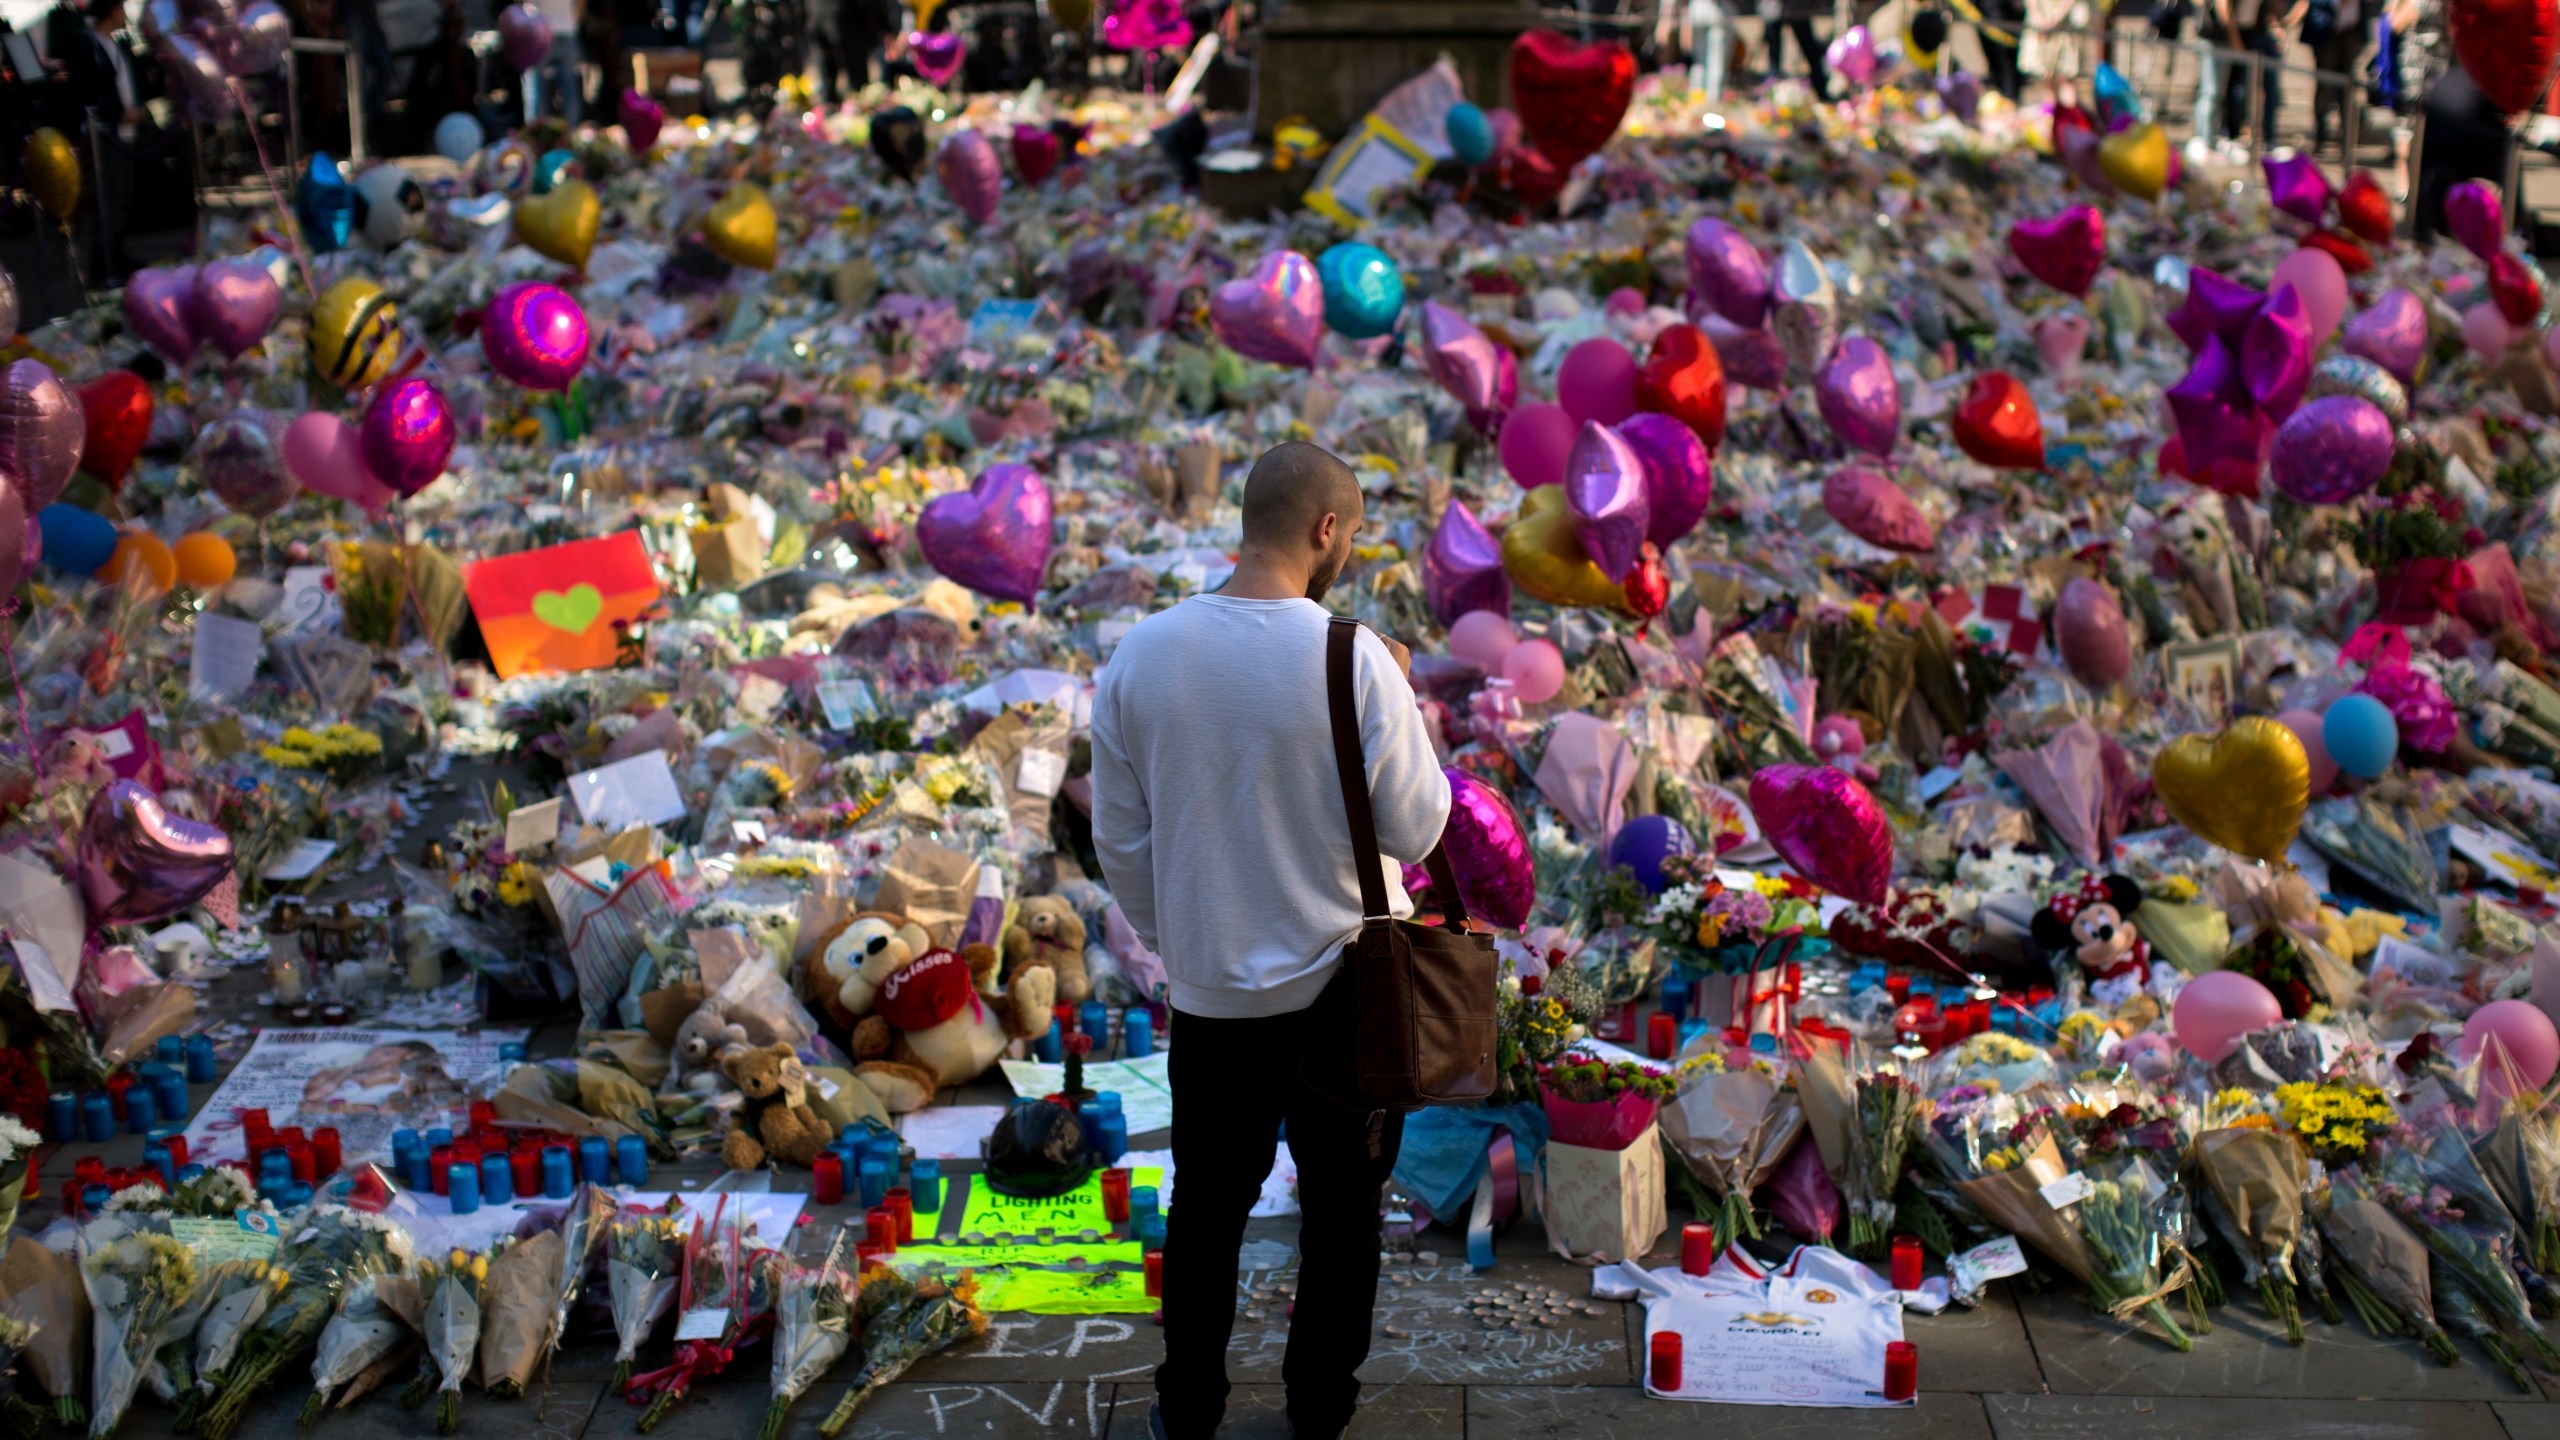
{"points": [[930, 884], [601, 927], [1603, 1205], [727, 555]]}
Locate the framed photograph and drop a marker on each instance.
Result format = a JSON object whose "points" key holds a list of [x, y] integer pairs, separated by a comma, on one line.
{"points": [[2205, 674], [1373, 158]]}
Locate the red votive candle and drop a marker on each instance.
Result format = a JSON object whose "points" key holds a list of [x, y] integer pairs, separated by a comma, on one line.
{"points": [[1664, 1373], [1662, 1036], [902, 1208], [325, 1154], [866, 1254], [527, 1165], [1901, 1370], [1898, 985], [880, 1227], [1115, 1196], [1697, 1249], [117, 1084], [304, 1161], [1906, 1262], [1155, 1274], [484, 1113], [89, 1169], [177, 1147], [439, 1160], [827, 1175]]}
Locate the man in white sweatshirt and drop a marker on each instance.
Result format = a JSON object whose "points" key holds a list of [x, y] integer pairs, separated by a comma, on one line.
{"points": [[1218, 817]]}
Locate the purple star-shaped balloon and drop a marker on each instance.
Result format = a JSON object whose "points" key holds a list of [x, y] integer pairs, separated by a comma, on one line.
{"points": [[2217, 419], [2296, 187], [2216, 306], [2275, 353]]}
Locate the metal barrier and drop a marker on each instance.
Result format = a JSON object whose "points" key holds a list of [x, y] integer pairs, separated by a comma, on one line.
{"points": [[354, 68]]}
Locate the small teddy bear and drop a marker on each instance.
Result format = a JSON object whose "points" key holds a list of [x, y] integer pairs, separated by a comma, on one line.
{"points": [[694, 1060], [2093, 924], [1047, 931], [776, 1123]]}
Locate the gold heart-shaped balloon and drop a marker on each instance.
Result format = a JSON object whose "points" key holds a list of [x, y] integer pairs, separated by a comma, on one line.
{"points": [[2243, 789], [2136, 161], [52, 169], [740, 229], [355, 334], [562, 224], [1542, 556]]}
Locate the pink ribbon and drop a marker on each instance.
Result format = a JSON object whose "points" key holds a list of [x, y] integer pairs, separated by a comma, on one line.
{"points": [[2378, 646]]}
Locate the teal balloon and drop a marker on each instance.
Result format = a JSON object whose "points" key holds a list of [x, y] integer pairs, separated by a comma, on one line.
{"points": [[325, 204], [2361, 735], [1363, 290], [76, 541], [2115, 94], [548, 170], [1470, 134]]}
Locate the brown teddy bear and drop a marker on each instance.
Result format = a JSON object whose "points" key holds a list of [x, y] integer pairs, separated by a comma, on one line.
{"points": [[776, 1123], [921, 1018], [1046, 931]]}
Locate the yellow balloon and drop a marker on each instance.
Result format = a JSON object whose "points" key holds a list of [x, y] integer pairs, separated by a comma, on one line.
{"points": [[355, 334], [2243, 789], [562, 224], [53, 172], [2136, 161], [741, 228], [205, 560], [142, 555], [1070, 16], [1543, 556]]}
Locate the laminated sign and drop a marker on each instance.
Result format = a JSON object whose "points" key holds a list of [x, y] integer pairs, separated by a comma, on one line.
{"points": [[556, 608]]}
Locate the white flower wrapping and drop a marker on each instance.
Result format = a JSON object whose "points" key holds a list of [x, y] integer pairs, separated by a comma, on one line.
{"points": [[640, 1301], [229, 1322], [362, 1332], [809, 1337], [453, 1330]]}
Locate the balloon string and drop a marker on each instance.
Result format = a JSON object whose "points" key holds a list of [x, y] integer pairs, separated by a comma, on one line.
{"points": [[267, 172]]}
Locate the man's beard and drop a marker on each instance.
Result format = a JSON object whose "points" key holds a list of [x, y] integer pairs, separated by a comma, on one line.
{"points": [[1326, 573]]}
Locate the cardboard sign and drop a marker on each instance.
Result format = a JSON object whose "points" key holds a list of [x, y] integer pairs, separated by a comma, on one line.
{"points": [[530, 827], [637, 791], [555, 608]]}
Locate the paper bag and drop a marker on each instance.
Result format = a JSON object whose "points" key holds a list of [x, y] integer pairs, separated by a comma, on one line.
{"points": [[727, 555], [523, 1291], [1195, 471], [2011, 1200], [1603, 1205], [43, 1287], [930, 884]]}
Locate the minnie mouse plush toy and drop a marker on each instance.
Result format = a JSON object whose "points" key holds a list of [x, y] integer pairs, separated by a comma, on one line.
{"points": [[2093, 924]]}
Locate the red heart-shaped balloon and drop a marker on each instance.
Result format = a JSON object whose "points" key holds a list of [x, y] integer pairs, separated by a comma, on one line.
{"points": [[2509, 46], [2345, 249], [2513, 288], [1684, 379], [1570, 96], [1647, 588], [117, 408], [1035, 153], [1535, 179], [2364, 209], [1997, 423], [2065, 251]]}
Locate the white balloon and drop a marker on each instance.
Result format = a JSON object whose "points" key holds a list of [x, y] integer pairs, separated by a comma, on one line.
{"points": [[390, 206]]}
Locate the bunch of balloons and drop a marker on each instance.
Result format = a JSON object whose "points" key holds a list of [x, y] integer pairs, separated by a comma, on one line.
{"points": [[229, 304], [2513, 304], [2253, 368], [1532, 669]]}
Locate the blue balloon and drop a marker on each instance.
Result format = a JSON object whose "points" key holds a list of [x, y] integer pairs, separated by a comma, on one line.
{"points": [[76, 541], [1642, 844], [326, 205], [459, 137], [1470, 134], [2361, 735], [553, 165], [2115, 94], [1363, 290]]}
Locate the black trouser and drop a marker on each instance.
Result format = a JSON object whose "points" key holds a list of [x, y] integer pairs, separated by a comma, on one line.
{"points": [[2338, 54], [1234, 1083], [1801, 27], [2002, 63], [844, 51], [2235, 90]]}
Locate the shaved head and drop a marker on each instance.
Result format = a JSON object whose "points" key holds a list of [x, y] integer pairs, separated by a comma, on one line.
{"points": [[1302, 503]]}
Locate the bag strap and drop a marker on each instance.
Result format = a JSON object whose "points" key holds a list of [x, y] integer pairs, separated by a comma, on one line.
{"points": [[1348, 765]]}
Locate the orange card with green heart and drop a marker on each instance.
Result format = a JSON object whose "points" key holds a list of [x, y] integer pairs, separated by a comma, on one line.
{"points": [[556, 608]]}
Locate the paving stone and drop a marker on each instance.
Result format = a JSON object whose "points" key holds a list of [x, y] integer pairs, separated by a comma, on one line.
{"points": [[1981, 1349], [1626, 1413], [1260, 1412], [1103, 1348], [2528, 1420], [2130, 1417], [2084, 1353]]}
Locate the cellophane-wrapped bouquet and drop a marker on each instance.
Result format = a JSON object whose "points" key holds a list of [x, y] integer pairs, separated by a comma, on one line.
{"points": [[361, 1332], [452, 1287], [2255, 1180], [20, 1419], [138, 1278], [2130, 1224], [2381, 1264], [812, 1328], [326, 1249], [901, 1321], [2430, 1179], [1865, 1119], [727, 1303], [643, 1269], [240, 1300]]}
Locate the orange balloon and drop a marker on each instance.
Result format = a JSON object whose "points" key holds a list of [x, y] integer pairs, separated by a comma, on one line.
{"points": [[205, 560], [159, 568]]}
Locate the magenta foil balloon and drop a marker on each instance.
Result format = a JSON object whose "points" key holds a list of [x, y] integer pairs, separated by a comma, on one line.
{"points": [[1858, 396], [1873, 508], [1480, 375], [2216, 418], [408, 435], [2296, 187], [2391, 332], [2275, 353], [1604, 488], [139, 863], [1679, 475], [2214, 306], [1462, 568], [2334, 449], [970, 173], [1489, 849], [1275, 314], [2476, 217], [1726, 272], [2065, 251], [240, 458], [1752, 358], [42, 430], [233, 304], [535, 335], [159, 307], [993, 539], [1824, 823], [2088, 631], [524, 35]]}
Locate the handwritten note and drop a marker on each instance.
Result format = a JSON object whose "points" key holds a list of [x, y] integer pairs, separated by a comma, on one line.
{"points": [[226, 656]]}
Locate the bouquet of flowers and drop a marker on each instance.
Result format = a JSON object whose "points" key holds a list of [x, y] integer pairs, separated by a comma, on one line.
{"points": [[453, 1287], [2463, 1313], [727, 1302], [2129, 1225], [19, 1417], [361, 1332], [241, 1296], [519, 1301], [1864, 1127], [2434, 1184], [44, 1289], [171, 1375], [1729, 1130], [2337, 1119], [902, 1321], [1535, 1020], [812, 1328], [2255, 1180], [582, 1233], [2381, 1266], [1602, 1106], [137, 1278], [643, 1267], [335, 1247]]}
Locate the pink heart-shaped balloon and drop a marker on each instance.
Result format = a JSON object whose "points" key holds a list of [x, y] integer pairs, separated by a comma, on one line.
{"points": [[408, 435], [1752, 358], [970, 174], [1035, 152], [1727, 273], [1145, 25], [936, 54], [1604, 489], [1477, 373], [2089, 633], [1679, 474], [2391, 332], [2060, 342], [1489, 849], [160, 306], [1274, 314], [233, 304], [139, 863], [42, 430], [642, 118], [995, 537], [2064, 251], [1824, 823], [325, 455], [1462, 567], [2275, 353], [1873, 508], [1858, 396], [2476, 217], [535, 335]]}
